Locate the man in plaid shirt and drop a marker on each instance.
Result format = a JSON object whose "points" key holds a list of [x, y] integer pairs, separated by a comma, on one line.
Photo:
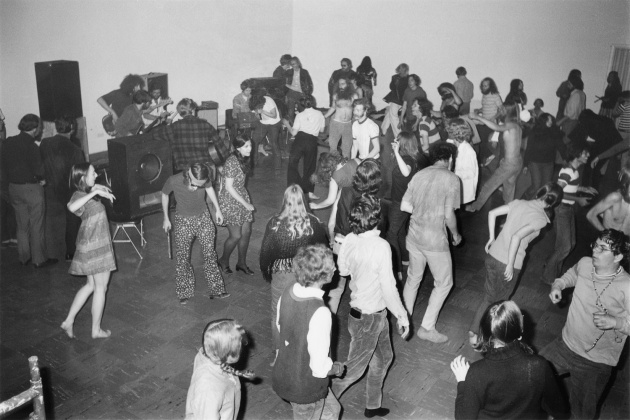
{"points": [[189, 137]]}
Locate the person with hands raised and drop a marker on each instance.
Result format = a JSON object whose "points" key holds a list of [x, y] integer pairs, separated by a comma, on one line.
{"points": [[510, 381], [193, 192], [94, 255], [597, 324], [506, 253]]}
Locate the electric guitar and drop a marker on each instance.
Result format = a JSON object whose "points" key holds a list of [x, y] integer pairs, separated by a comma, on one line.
{"points": [[110, 127]]}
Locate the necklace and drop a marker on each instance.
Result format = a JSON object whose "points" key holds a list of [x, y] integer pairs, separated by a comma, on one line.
{"points": [[600, 305]]}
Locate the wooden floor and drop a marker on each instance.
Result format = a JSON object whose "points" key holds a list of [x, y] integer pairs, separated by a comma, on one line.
{"points": [[144, 369]]}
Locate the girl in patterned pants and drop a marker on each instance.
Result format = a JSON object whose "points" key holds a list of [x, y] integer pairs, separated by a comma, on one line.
{"points": [[192, 189]]}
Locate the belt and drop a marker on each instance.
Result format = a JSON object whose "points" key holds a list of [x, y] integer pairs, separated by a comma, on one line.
{"points": [[357, 314]]}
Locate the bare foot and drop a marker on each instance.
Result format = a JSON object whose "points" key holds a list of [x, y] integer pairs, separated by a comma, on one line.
{"points": [[67, 327], [102, 334]]}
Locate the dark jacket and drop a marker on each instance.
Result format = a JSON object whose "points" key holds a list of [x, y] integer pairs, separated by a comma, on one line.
{"points": [[397, 89], [306, 83]]}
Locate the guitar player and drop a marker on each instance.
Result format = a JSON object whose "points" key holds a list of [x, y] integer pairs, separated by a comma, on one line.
{"points": [[130, 121], [117, 100], [157, 109]]}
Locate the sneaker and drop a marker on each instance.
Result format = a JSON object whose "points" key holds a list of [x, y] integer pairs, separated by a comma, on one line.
{"points": [[432, 335], [183, 301], [221, 296]]}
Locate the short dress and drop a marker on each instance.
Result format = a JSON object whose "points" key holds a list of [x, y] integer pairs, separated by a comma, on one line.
{"points": [[233, 212], [94, 253]]}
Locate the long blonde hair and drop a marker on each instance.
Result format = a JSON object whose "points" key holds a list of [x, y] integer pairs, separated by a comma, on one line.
{"points": [[294, 213]]}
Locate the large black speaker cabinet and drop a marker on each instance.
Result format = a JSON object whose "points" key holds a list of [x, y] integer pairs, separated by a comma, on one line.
{"points": [[138, 167], [58, 89]]}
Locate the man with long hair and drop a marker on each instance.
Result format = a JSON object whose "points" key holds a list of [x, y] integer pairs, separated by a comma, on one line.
{"points": [[298, 84], [598, 322], [341, 124], [490, 109], [117, 100], [131, 119], [345, 71], [512, 162], [365, 133]]}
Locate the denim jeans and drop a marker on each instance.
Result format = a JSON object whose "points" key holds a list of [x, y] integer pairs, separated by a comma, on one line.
{"points": [[327, 408], [506, 174], [495, 287], [340, 130], [441, 267], [279, 282], [587, 379], [564, 227], [397, 235], [272, 132], [304, 148], [370, 347]]}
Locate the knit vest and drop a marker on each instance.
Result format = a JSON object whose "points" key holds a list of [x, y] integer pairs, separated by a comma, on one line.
{"points": [[292, 377]]}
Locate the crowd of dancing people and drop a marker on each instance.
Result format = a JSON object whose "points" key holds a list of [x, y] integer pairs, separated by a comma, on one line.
{"points": [[398, 182]]}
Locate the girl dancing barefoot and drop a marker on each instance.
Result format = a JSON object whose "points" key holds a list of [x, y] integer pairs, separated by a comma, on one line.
{"points": [[94, 256]]}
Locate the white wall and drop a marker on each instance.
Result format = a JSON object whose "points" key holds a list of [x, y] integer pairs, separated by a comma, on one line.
{"points": [[208, 47], [536, 41]]}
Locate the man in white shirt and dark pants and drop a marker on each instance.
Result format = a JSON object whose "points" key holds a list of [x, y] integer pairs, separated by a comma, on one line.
{"points": [[307, 125], [367, 258]]}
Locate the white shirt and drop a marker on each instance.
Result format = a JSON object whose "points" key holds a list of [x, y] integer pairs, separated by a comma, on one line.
{"points": [[362, 135], [467, 169], [310, 121], [318, 336], [368, 259], [269, 106]]}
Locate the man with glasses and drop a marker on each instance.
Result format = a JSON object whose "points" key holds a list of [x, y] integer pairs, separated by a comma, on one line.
{"points": [[345, 71], [597, 324]]}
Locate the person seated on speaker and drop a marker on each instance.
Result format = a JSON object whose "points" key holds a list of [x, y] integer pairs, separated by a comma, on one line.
{"points": [[189, 137], [117, 100], [157, 108], [285, 65], [59, 153], [193, 193], [236, 205], [240, 103], [130, 121], [299, 84]]}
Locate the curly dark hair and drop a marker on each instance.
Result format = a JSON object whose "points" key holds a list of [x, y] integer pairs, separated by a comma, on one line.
{"points": [[130, 82], [326, 166], [313, 264], [441, 150], [618, 242]]}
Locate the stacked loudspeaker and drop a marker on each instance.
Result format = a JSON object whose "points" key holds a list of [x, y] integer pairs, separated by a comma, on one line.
{"points": [[139, 167]]}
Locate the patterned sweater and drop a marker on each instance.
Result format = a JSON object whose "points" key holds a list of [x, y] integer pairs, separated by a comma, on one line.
{"points": [[278, 247]]}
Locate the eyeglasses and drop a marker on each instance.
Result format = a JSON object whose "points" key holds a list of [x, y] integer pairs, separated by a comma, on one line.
{"points": [[599, 248]]}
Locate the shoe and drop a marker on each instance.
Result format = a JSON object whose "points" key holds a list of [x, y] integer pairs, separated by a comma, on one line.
{"points": [[432, 335], [244, 269], [372, 412], [183, 301], [25, 263], [69, 257], [221, 296], [48, 262], [225, 269]]}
